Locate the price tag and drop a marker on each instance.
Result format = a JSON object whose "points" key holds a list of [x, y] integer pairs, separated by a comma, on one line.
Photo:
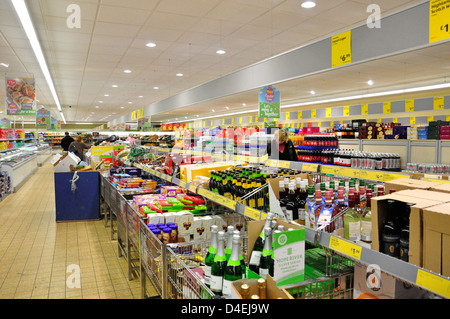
{"points": [[409, 106], [253, 159], [412, 120], [346, 111], [341, 49], [313, 114], [328, 112], [439, 20], [253, 213], [371, 175], [430, 118], [349, 172], [231, 204], [300, 115], [434, 283], [438, 102], [264, 158], [391, 176], [169, 178], [288, 116], [240, 158], [387, 107], [192, 188], [203, 192], [325, 169], [284, 164], [345, 247], [364, 109], [307, 167], [183, 183]]}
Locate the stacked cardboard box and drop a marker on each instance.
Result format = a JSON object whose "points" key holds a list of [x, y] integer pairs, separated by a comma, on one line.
{"points": [[445, 132], [371, 130], [434, 129], [412, 133]]}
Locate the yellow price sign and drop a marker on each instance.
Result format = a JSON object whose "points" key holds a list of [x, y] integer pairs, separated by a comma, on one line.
{"points": [[325, 169], [412, 120], [387, 107], [371, 175], [250, 119], [341, 49], [307, 167], [438, 103], [430, 118], [313, 114], [300, 115], [439, 28], [328, 112], [433, 282], [288, 116], [409, 106], [240, 120], [349, 172], [183, 183], [346, 111], [391, 176], [364, 109], [395, 120], [254, 214], [347, 248], [284, 164], [256, 119], [192, 188]]}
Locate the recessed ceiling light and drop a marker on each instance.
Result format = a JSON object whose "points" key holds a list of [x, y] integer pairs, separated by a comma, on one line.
{"points": [[100, 101], [197, 115], [130, 102], [97, 106], [221, 52], [6, 65], [156, 88], [140, 96], [179, 74], [122, 107], [370, 82], [127, 71], [243, 104], [114, 85], [151, 45], [227, 107], [313, 92], [308, 4], [106, 94], [213, 110]]}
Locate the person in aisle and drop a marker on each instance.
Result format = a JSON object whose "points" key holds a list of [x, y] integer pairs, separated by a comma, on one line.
{"points": [[78, 147], [66, 141], [131, 140], [281, 147]]}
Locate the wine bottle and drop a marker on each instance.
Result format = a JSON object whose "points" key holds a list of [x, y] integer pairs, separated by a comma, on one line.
{"points": [[218, 266], [233, 269], [212, 250], [255, 258], [266, 264], [228, 248]]}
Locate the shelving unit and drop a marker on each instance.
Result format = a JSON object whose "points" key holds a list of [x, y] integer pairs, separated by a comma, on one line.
{"points": [[404, 271]]}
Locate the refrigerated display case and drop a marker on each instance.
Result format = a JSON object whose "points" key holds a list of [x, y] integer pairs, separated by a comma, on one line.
{"points": [[19, 164]]}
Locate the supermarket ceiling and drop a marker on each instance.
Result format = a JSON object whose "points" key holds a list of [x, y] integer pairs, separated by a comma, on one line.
{"points": [[88, 63]]}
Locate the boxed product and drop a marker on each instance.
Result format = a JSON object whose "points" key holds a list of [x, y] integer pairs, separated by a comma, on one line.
{"points": [[132, 171], [172, 191], [436, 239], [272, 291], [442, 187], [408, 183], [200, 228], [185, 222], [62, 163], [421, 200], [155, 218], [371, 283]]}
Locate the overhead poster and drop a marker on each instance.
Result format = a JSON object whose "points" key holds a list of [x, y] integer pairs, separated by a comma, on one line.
{"points": [[269, 102], [43, 118], [20, 96]]}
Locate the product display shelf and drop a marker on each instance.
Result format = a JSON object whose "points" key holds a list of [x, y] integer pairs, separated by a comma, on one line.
{"points": [[19, 165], [404, 271]]}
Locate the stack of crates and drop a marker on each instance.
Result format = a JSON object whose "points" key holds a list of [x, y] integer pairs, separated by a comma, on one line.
{"points": [[434, 129], [422, 133], [445, 132]]}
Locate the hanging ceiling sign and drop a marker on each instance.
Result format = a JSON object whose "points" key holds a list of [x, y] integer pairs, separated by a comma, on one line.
{"points": [[269, 102], [20, 96]]}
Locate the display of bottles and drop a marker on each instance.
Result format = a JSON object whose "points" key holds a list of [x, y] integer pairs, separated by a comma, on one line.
{"points": [[352, 223], [241, 256], [211, 254], [315, 212], [233, 269], [366, 219], [218, 266], [326, 211], [310, 202], [267, 262], [391, 231], [320, 140], [301, 200], [255, 258], [338, 217], [404, 232]]}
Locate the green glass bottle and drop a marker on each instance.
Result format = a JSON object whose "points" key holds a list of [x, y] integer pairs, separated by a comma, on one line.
{"points": [[255, 258], [241, 256], [266, 264], [218, 266], [228, 247], [233, 269], [212, 250]]}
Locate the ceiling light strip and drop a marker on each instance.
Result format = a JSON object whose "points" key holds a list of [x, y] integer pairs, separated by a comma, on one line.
{"points": [[24, 16]]}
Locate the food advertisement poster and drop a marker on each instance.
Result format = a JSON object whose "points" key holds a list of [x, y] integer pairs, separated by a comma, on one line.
{"points": [[269, 102], [5, 123], [42, 118], [20, 96]]}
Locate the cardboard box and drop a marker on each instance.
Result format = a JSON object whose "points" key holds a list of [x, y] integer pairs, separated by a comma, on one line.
{"points": [[272, 291], [371, 283], [428, 194], [442, 187], [185, 220], [62, 163], [436, 239], [199, 230], [407, 183], [379, 215]]}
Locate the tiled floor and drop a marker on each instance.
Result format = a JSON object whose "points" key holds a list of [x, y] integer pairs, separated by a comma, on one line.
{"points": [[37, 253]]}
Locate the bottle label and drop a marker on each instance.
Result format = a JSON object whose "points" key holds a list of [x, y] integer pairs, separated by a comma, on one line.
{"points": [[207, 274], [263, 272], [226, 288], [289, 215], [354, 230], [325, 215], [366, 230], [255, 258], [301, 213], [216, 283]]}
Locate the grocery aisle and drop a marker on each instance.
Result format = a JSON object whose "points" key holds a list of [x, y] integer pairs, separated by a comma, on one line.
{"points": [[35, 251]]}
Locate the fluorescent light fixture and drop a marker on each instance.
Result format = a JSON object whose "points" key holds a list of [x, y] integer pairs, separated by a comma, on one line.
{"points": [[127, 71], [370, 82], [151, 45], [130, 102], [179, 74], [114, 85], [84, 123], [24, 16], [106, 94], [6, 65], [221, 52], [100, 102], [140, 96], [308, 4], [156, 88], [97, 106], [312, 92]]}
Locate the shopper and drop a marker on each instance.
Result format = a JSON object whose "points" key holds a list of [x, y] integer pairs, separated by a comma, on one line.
{"points": [[131, 140], [78, 147], [281, 147], [66, 141]]}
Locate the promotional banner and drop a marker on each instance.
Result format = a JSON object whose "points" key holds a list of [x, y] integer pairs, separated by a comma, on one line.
{"points": [[5, 123], [144, 124], [269, 102], [53, 124], [20, 96], [42, 118]]}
